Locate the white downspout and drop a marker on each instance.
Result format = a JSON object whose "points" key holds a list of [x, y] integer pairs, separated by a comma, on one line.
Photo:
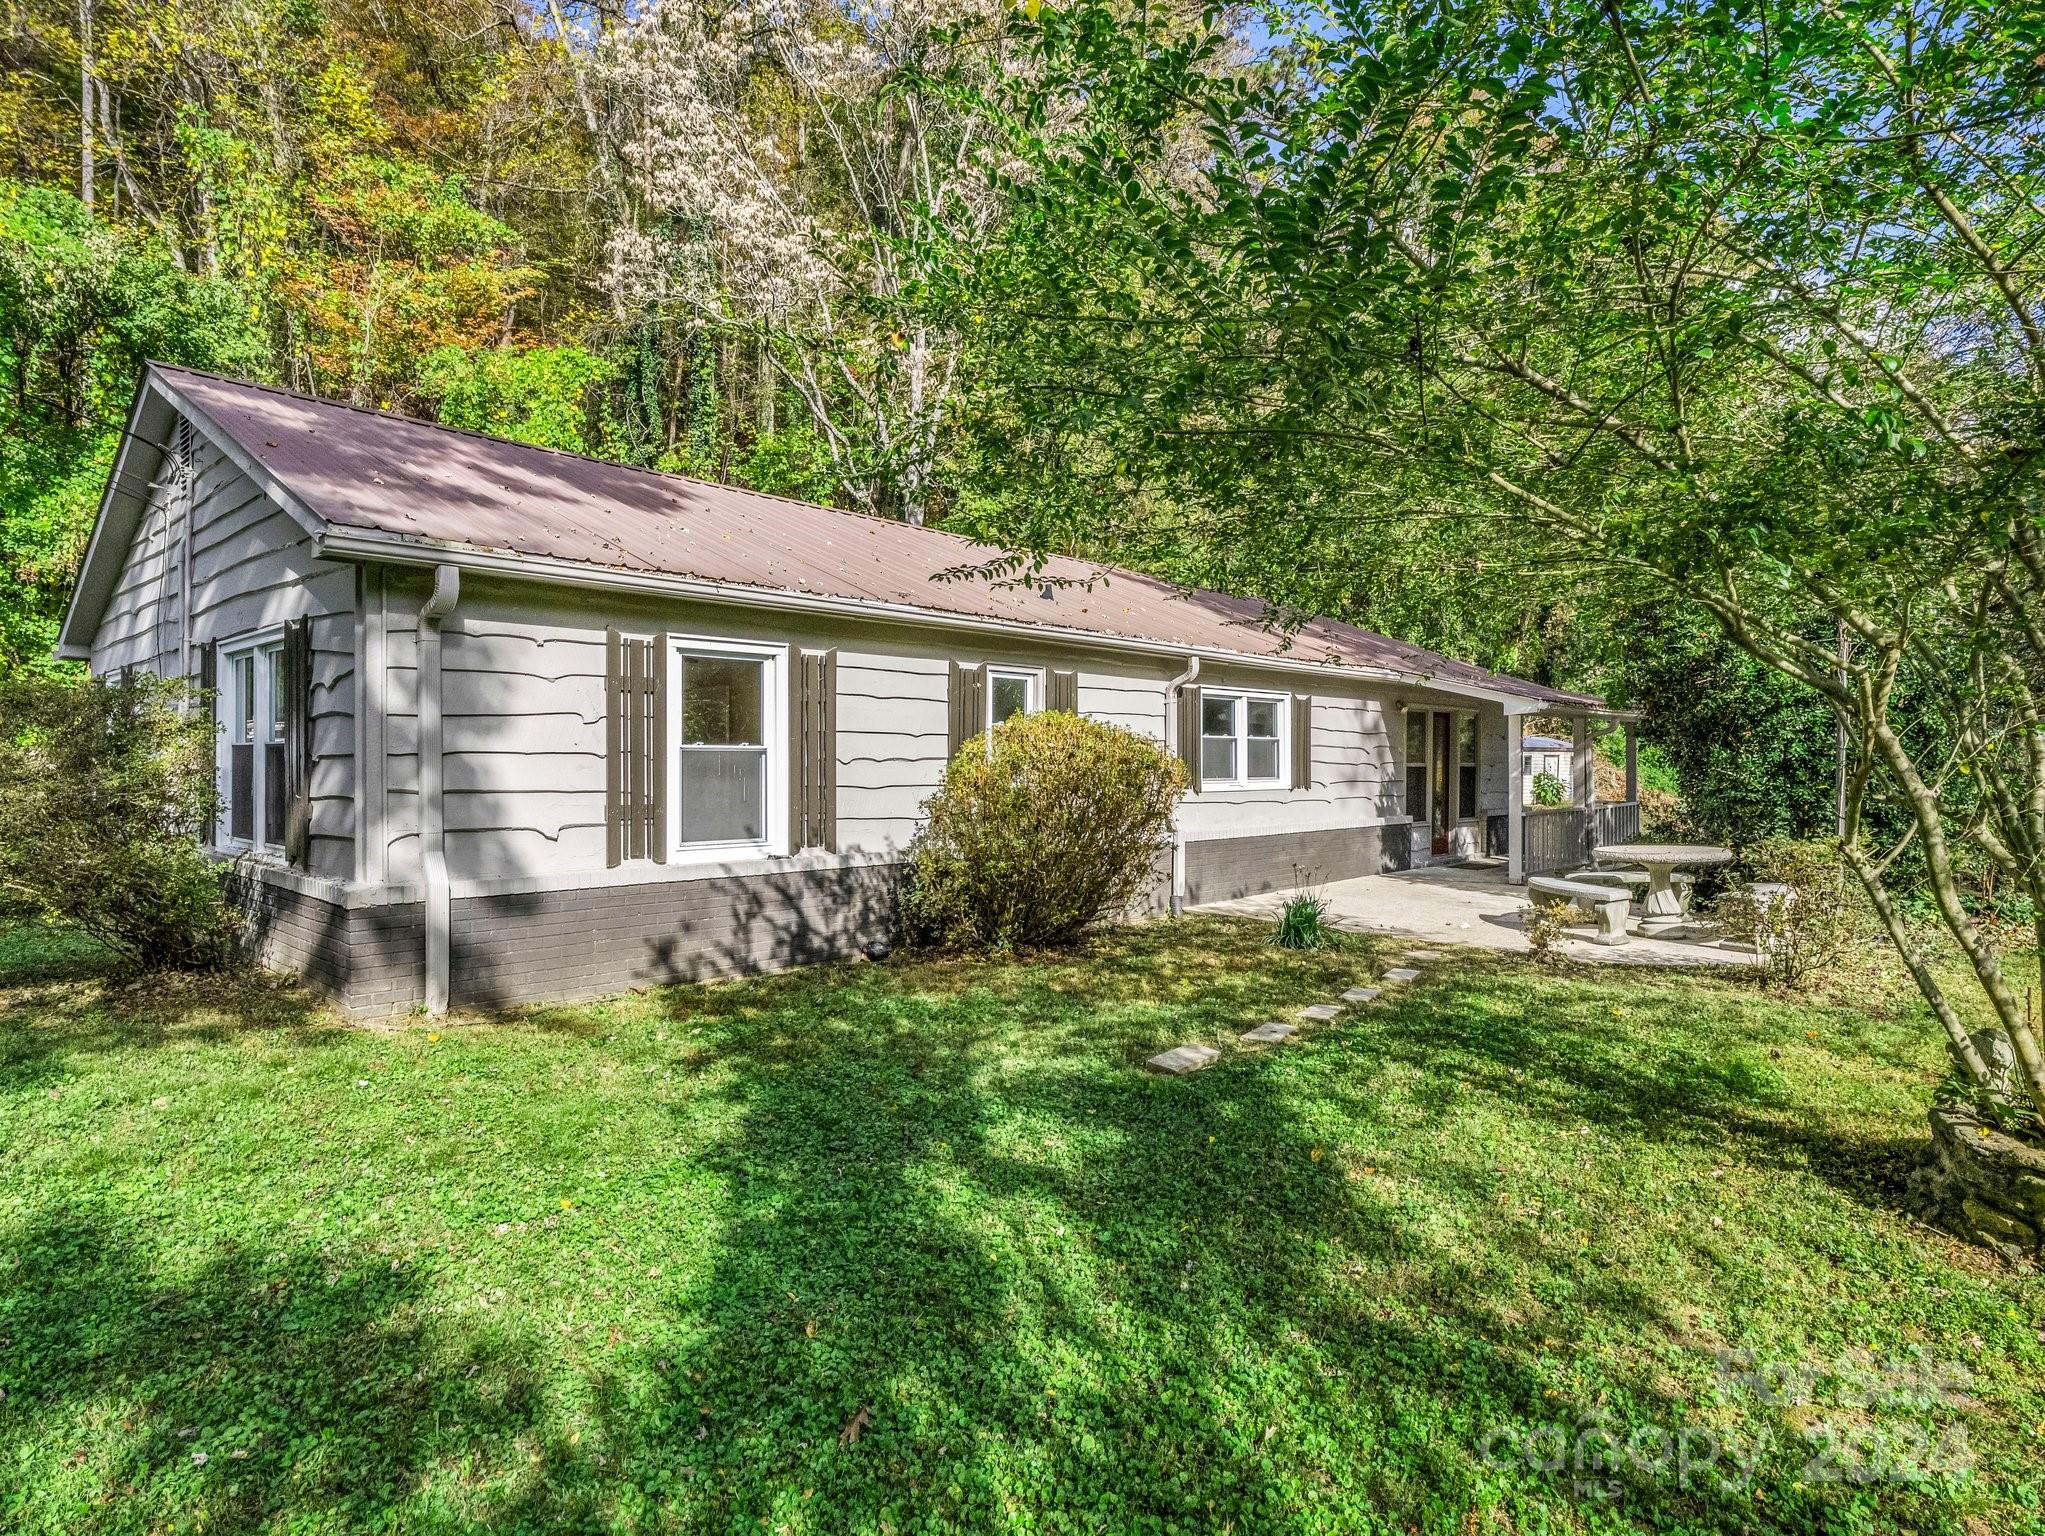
{"points": [[447, 591], [1172, 743]]}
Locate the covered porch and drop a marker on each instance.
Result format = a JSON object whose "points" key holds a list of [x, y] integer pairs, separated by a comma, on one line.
{"points": [[1540, 840]]}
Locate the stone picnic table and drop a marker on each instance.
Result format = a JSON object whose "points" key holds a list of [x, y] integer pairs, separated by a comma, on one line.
{"points": [[1663, 906]]}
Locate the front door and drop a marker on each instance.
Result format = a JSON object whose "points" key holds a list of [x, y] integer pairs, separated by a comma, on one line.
{"points": [[1441, 812]]}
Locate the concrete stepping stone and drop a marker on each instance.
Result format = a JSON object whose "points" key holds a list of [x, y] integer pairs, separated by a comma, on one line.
{"points": [[1181, 1059], [1273, 1033], [1422, 956], [1321, 1012], [1357, 995], [1402, 973]]}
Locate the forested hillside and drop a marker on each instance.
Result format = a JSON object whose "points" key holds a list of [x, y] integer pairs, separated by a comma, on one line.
{"points": [[498, 215], [720, 240]]}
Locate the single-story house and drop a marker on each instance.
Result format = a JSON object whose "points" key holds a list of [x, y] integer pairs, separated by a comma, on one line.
{"points": [[498, 723]]}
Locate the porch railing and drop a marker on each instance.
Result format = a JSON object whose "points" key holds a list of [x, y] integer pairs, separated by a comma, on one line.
{"points": [[1561, 837]]}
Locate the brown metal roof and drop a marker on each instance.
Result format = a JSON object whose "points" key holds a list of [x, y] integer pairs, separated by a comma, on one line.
{"points": [[386, 474]]}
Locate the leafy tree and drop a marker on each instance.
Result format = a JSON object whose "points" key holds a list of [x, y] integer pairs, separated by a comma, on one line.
{"points": [[82, 305], [102, 788], [1753, 752], [792, 462], [539, 395], [1728, 305], [798, 172]]}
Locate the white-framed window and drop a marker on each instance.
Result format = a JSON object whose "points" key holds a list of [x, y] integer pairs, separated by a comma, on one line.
{"points": [[249, 706], [1416, 763], [1013, 691], [727, 759], [1242, 738]]}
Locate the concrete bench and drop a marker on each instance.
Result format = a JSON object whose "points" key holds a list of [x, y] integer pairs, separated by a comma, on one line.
{"points": [[1607, 903], [1634, 881], [1631, 881]]}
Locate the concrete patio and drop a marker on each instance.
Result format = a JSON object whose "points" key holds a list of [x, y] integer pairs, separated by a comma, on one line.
{"points": [[1470, 904]]}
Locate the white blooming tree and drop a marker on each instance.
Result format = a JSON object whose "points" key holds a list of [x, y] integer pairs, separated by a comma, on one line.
{"points": [[792, 174]]}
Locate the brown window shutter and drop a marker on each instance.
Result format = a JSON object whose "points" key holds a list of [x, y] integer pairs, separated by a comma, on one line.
{"points": [[297, 680], [1189, 735], [968, 706], [1063, 692], [635, 729], [813, 750], [1302, 741], [209, 686]]}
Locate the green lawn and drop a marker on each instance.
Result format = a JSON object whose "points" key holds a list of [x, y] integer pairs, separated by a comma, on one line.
{"points": [[643, 1265]]}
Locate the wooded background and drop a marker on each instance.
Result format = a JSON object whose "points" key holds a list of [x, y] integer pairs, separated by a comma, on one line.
{"points": [[842, 253]]}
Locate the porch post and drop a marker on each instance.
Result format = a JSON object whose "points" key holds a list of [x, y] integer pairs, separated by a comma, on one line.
{"points": [[1515, 799], [1632, 766], [1582, 767]]}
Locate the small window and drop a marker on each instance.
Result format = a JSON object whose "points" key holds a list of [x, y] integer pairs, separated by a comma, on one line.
{"points": [[1242, 738], [1218, 737], [1466, 766], [723, 749], [1263, 738], [273, 752], [251, 762], [1009, 693], [1416, 764]]}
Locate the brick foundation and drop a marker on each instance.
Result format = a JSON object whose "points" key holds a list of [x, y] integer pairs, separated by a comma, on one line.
{"points": [[556, 946], [1227, 868]]}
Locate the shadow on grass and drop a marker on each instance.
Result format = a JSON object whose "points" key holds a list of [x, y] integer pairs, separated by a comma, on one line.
{"points": [[299, 1388], [62, 995], [1563, 1050], [975, 1270], [956, 1285]]}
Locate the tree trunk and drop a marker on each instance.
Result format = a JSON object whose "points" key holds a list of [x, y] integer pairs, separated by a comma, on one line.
{"points": [[85, 108]]}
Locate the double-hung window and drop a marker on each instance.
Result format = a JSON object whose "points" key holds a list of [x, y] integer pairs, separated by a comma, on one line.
{"points": [[1242, 738], [722, 755], [251, 747], [1011, 691], [1416, 764]]}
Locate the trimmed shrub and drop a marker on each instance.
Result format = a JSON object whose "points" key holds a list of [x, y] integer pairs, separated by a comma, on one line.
{"points": [[1802, 909], [1052, 826], [104, 788], [1549, 791]]}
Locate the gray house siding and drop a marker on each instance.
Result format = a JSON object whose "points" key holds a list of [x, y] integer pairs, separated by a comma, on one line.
{"points": [[250, 566], [144, 625], [1225, 868]]}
